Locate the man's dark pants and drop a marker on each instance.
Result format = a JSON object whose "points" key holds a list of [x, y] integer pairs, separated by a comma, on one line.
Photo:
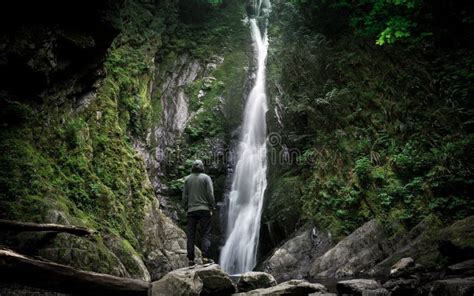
{"points": [[202, 218]]}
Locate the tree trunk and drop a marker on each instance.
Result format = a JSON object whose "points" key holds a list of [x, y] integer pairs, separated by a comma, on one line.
{"points": [[26, 226], [16, 268]]}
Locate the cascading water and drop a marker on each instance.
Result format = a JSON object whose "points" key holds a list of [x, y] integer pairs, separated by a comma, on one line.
{"points": [[239, 253]]}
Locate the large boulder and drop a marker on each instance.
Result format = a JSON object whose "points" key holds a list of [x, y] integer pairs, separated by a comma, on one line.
{"points": [[215, 281], [453, 287], [355, 254], [292, 287], [255, 280], [400, 287], [198, 280], [128, 256], [419, 243], [183, 283], [357, 287], [465, 267], [428, 242], [163, 243], [456, 242], [290, 260]]}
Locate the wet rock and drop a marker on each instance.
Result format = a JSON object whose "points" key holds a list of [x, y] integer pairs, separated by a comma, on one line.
{"points": [[400, 287], [292, 287], [179, 282], [357, 287], [255, 280], [402, 267], [461, 267], [198, 280], [355, 254], [453, 287], [290, 260], [215, 281]]}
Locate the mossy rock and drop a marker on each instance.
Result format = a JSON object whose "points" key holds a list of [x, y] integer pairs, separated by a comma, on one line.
{"points": [[457, 241], [82, 253]]}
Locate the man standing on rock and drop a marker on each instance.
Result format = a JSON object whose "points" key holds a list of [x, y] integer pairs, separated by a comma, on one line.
{"points": [[198, 201]]}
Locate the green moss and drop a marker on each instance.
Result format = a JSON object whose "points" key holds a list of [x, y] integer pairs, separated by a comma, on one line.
{"points": [[282, 209], [222, 96], [81, 162], [460, 233]]}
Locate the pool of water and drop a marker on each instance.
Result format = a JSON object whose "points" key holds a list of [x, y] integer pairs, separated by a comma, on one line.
{"points": [[331, 283]]}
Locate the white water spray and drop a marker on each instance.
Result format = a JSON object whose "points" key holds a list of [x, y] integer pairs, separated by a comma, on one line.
{"points": [[239, 253]]}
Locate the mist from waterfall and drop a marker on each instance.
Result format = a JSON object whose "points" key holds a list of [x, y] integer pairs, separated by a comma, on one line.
{"points": [[239, 253]]}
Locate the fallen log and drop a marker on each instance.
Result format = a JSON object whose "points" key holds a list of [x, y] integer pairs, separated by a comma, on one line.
{"points": [[27, 226], [16, 268]]}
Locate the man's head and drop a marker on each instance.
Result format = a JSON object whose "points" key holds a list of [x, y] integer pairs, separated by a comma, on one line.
{"points": [[198, 166]]}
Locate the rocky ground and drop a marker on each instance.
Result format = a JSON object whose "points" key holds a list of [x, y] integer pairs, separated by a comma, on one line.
{"points": [[405, 280], [428, 260], [211, 280]]}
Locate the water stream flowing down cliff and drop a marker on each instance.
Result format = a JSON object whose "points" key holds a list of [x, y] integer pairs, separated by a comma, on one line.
{"points": [[249, 181]]}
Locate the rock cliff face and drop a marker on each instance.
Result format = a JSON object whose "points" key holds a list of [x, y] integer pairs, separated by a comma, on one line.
{"points": [[169, 84], [67, 131], [286, 262], [354, 254], [97, 113], [49, 48]]}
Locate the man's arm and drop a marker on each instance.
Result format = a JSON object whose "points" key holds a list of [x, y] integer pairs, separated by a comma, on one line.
{"points": [[184, 198], [210, 194]]}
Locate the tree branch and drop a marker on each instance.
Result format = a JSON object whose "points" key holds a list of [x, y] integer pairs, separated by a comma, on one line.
{"points": [[27, 226], [16, 268]]}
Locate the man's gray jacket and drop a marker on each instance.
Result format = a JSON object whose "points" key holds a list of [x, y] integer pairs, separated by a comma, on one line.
{"points": [[198, 193]]}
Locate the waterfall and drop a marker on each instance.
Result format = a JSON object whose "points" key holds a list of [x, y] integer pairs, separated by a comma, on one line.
{"points": [[239, 253]]}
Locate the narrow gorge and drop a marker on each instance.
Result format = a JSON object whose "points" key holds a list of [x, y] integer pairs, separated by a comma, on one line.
{"points": [[338, 136]]}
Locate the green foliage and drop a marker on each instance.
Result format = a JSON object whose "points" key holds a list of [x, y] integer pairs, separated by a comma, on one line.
{"points": [[283, 211], [130, 65], [208, 28], [385, 21], [397, 28], [390, 20], [379, 137], [363, 169]]}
